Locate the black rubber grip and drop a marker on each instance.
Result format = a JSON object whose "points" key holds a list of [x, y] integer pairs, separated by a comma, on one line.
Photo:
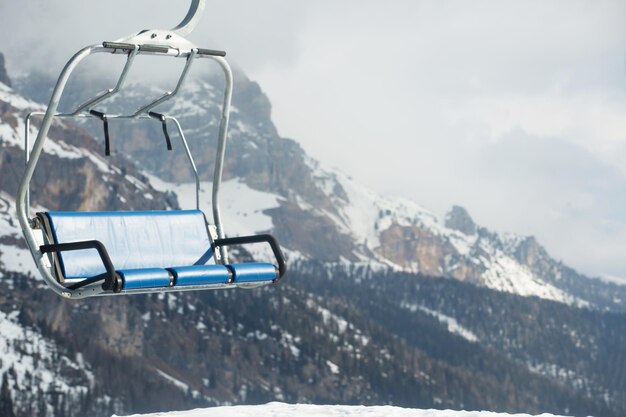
{"points": [[110, 280], [242, 240], [154, 48], [213, 52], [119, 45]]}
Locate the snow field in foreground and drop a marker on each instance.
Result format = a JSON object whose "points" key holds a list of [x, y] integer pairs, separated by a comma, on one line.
{"points": [[290, 410]]}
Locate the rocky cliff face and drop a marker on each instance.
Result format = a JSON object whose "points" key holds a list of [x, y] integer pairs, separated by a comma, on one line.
{"points": [[459, 219], [4, 77]]}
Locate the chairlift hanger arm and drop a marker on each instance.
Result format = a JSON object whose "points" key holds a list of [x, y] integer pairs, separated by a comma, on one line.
{"points": [[189, 22]]}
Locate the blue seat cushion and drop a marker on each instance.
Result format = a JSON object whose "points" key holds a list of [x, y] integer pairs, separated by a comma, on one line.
{"points": [[254, 272], [200, 275], [144, 278], [134, 240]]}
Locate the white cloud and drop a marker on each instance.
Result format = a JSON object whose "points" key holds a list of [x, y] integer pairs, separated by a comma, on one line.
{"points": [[593, 120], [412, 97]]}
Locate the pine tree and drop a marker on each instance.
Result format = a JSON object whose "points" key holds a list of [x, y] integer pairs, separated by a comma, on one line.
{"points": [[6, 400]]}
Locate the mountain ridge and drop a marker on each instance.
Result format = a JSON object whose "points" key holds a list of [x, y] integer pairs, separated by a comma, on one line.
{"points": [[353, 322], [324, 214]]}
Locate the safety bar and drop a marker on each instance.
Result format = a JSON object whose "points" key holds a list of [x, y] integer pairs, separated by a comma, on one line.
{"points": [[265, 238], [110, 279], [132, 50]]}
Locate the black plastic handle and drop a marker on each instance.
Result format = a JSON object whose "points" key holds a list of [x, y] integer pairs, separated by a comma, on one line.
{"points": [[243, 240], [105, 122], [212, 52], [119, 45], [163, 120], [154, 48], [110, 280]]}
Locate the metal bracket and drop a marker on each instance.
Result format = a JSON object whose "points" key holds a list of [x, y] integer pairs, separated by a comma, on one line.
{"points": [[192, 18], [214, 237], [174, 38]]}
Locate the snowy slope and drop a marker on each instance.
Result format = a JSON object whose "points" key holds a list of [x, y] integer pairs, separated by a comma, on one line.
{"points": [[36, 366], [242, 207], [288, 410], [14, 256]]}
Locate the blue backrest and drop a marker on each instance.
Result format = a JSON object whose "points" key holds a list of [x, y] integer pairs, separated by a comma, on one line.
{"points": [[148, 239]]}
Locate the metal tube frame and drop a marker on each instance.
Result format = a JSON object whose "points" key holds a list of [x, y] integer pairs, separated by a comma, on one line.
{"points": [[190, 21], [170, 94], [111, 92], [32, 156]]}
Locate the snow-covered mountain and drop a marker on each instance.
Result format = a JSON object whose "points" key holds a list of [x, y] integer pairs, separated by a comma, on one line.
{"points": [[342, 328], [321, 213]]}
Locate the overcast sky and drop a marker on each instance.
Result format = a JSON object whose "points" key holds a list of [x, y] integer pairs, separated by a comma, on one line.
{"points": [[514, 109]]}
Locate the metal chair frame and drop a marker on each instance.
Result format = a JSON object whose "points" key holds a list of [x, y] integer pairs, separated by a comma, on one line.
{"points": [[163, 43]]}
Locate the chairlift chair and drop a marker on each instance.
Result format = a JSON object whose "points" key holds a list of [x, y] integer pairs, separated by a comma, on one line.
{"points": [[85, 254]]}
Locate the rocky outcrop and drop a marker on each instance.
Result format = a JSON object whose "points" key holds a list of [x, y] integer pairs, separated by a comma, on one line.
{"points": [[4, 77], [414, 248], [459, 219]]}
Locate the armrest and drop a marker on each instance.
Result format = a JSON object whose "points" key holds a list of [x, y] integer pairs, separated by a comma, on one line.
{"points": [[110, 280], [243, 240]]}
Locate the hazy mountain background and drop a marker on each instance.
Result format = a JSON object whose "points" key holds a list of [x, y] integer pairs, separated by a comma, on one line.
{"points": [[385, 302], [448, 261]]}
